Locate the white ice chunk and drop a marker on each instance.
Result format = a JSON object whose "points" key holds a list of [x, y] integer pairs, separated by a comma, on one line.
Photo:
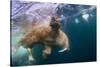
{"points": [[76, 21], [85, 17]]}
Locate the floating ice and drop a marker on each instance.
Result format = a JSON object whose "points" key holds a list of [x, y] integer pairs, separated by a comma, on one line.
{"points": [[85, 17], [76, 21]]}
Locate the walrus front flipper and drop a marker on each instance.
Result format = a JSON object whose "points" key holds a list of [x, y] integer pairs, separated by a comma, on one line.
{"points": [[65, 49]]}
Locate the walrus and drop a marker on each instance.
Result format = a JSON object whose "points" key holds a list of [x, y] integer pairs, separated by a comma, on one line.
{"points": [[50, 35]]}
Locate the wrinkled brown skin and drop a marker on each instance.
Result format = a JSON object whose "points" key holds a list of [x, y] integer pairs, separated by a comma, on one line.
{"points": [[47, 34]]}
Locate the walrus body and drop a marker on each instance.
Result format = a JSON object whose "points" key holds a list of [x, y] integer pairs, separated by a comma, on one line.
{"points": [[50, 35]]}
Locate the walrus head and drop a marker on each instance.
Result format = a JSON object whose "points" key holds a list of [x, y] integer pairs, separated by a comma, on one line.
{"points": [[55, 24]]}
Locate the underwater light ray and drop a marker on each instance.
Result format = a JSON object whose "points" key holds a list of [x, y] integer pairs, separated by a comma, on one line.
{"points": [[18, 8]]}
